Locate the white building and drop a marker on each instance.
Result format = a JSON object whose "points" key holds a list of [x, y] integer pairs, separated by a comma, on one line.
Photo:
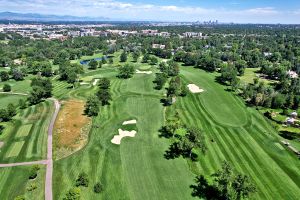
{"points": [[192, 35]]}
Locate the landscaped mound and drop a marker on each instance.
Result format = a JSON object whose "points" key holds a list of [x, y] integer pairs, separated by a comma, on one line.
{"points": [[194, 88], [71, 128]]}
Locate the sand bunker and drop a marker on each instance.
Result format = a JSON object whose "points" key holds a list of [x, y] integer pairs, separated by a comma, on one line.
{"points": [[129, 122], [143, 72], [194, 88], [1, 144], [84, 83], [117, 138], [95, 82]]}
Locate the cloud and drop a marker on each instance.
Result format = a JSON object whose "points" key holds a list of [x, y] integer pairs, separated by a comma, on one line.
{"points": [[117, 9]]}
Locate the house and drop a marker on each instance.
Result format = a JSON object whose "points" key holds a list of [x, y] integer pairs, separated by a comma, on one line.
{"points": [[292, 74], [192, 35], [158, 46], [290, 121], [294, 115]]}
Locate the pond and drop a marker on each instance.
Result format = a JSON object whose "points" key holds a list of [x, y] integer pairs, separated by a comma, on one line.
{"points": [[85, 62]]}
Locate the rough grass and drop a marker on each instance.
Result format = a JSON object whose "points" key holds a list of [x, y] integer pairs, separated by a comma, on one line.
{"points": [[71, 128]]}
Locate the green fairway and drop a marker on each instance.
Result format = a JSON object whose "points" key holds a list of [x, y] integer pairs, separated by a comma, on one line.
{"points": [[136, 169], [14, 182], [25, 138], [220, 106], [252, 147], [8, 98]]}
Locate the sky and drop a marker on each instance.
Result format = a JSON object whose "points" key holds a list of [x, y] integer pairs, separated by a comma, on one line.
{"points": [[237, 11]]}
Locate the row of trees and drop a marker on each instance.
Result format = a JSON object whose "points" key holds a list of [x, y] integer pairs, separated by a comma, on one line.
{"points": [[102, 97]]}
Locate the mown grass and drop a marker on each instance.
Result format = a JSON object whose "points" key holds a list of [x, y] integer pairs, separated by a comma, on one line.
{"points": [[250, 144], [25, 137], [14, 182], [8, 98]]}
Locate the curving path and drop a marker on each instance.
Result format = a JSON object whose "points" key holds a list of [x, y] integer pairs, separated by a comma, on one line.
{"points": [[49, 161]]}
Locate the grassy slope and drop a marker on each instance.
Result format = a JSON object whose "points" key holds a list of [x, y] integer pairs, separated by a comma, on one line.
{"points": [[250, 147], [136, 169], [35, 144], [14, 181]]}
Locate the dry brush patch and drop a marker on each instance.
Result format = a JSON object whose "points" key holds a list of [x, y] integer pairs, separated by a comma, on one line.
{"points": [[71, 128]]}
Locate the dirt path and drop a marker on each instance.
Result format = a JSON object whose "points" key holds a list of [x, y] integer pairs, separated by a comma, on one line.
{"points": [[49, 161]]}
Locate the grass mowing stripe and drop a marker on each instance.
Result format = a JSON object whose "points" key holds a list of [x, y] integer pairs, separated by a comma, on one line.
{"points": [[241, 159], [257, 160]]}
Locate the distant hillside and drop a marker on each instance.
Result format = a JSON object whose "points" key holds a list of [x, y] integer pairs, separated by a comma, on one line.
{"points": [[40, 17]]}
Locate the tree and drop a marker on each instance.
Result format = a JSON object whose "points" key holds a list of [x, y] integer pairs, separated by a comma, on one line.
{"points": [[103, 96], [3, 115], [98, 187], [33, 171], [135, 56], [92, 106], [1, 129], [93, 64], [160, 80], [82, 180], [22, 104], [146, 57], [153, 60], [126, 71], [73, 194], [11, 110], [104, 83], [243, 186], [4, 76], [17, 75], [6, 88], [20, 197], [100, 64], [123, 57]]}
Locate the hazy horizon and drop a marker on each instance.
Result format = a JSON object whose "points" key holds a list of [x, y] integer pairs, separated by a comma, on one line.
{"points": [[236, 11]]}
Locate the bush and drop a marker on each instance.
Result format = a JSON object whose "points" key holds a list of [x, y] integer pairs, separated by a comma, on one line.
{"points": [[20, 197], [73, 194], [6, 88], [31, 187], [33, 171], [98, 187], [82, 180], [1, 129]]}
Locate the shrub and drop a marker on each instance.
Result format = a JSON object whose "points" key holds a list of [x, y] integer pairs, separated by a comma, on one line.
{"points": [[20, 197], [73, 194], [31, 187], [33, 171], [82, 180], [6, 88], [98, 187]]}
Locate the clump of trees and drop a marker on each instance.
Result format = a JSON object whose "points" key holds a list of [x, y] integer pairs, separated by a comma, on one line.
{"points": [[6, 88], [225, 184], [93, 64], [186, 140], [82, 180], [73, 194], [102, 97], [8, 113], [69, 72], [123, 57], [126, 71], [41, 89]]}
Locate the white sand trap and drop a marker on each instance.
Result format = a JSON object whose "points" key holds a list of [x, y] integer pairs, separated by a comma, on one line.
{"points": [[95, 82], [143, 72], [1, 144], [117, 138], [129, 122], [84, 83], [194, 88]]}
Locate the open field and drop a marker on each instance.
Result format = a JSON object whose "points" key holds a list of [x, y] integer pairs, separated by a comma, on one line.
{"points": [[14, 182], [18, 86], [25, 138]]}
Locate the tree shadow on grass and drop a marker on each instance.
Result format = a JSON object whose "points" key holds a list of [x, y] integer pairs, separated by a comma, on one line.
{"points": [[173, 151]]}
